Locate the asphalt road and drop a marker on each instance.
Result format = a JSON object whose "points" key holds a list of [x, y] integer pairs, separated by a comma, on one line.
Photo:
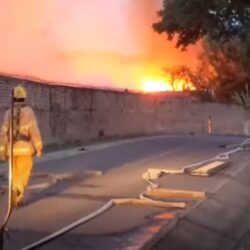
{"points": [[123, 227]]}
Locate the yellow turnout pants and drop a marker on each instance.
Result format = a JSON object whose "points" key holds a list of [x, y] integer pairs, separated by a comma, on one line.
{"points": [[22, 167]]}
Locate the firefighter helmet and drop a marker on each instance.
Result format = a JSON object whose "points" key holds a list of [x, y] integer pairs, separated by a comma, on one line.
{"points": [[20, 92]]}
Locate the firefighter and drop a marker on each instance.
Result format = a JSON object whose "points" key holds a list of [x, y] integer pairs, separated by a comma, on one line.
{"points": [[27, 142]]}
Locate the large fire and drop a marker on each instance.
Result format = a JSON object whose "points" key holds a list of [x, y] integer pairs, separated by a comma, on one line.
{"points": [[156, 80], [158, 85], [64, 41]]}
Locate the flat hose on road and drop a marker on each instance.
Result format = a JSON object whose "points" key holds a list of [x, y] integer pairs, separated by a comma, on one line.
{"points": [[114, 202], [154, 174], [70, 227], [105, 208]]}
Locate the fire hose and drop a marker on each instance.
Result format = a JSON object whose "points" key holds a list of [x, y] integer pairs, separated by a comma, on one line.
{"points": [[73, 225], [142, 201], [154, 174], [10, 179], [105, 208]]}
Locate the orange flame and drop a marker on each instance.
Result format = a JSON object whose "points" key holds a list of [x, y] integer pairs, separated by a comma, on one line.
{"points": [[158, 85], [157, 81]]}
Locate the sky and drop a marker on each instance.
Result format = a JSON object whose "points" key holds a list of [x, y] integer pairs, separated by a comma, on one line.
{"points": [[102, 43]]}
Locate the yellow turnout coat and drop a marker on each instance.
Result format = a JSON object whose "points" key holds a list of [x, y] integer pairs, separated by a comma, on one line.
{"points": [[28, 140]]}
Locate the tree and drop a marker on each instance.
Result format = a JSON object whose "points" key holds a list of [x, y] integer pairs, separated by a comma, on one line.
{"points": [[243, 97], [191, 20], [224, 28], [228, 65], [180, 77]]}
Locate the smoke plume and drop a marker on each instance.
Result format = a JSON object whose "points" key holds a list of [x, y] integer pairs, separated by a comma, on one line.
{"points": [[102, 43]]}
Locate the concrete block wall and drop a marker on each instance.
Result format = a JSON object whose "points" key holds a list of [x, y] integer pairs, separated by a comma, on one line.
{"points": [[69, 114]]}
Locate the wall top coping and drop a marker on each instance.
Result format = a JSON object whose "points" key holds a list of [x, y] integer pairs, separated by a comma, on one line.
{"points": [[61, 85]]}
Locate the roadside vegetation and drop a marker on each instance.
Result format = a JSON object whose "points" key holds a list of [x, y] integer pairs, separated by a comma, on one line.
{"points": [[221, 28]]}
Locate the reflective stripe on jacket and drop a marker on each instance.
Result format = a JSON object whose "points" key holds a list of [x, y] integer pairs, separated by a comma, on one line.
{"points": [[27, 127]]}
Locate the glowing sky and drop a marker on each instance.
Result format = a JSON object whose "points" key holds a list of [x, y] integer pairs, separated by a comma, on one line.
{"points": [[98, 42]]}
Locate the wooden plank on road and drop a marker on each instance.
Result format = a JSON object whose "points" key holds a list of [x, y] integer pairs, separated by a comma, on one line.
{"points": [[152, 203], [209, 169], [175, 193]]}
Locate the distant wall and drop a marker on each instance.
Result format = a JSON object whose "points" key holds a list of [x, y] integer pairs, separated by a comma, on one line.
{"points": [[69, 115]]}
